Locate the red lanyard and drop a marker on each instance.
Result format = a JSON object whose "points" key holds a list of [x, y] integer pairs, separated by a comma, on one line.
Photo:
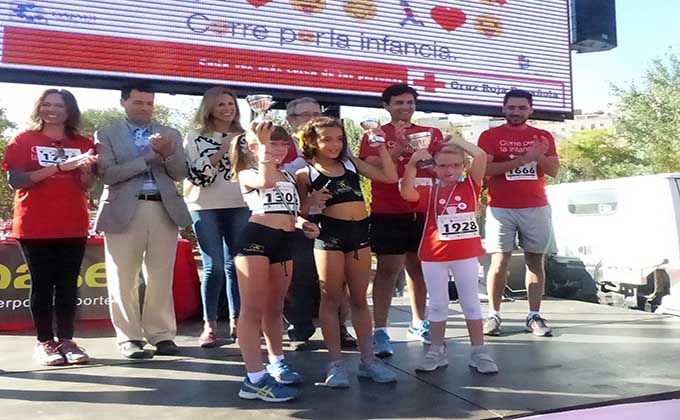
{"points": [[448, 200]]}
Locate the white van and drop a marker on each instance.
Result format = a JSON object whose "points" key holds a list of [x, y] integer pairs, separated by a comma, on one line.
{"points": [[626, 231]]}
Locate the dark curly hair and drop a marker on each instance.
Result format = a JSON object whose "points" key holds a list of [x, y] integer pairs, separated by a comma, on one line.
{"points": [[310, 136]]}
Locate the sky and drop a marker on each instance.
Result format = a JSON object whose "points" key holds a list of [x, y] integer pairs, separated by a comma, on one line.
{"points": [[646, 29]]}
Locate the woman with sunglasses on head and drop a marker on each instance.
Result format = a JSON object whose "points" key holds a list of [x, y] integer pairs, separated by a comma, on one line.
{"points": [[216, 204], [264, 260], [50, 168]]}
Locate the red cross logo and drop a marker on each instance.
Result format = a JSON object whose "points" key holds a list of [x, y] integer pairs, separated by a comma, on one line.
{"points": [[429, 82]]}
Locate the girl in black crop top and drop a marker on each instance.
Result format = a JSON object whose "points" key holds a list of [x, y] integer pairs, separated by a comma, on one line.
{"points": [[331, 180]]}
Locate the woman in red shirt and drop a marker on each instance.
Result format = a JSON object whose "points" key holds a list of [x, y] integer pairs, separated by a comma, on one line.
{"points": [[451, 244], [50, 168]]}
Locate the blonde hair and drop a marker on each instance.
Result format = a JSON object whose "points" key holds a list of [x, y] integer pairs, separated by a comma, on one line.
{"points": [[203, 120], [241, 156], [452, 149]]}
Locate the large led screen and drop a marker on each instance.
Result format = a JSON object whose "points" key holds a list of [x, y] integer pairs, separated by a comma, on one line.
{"points": [[458, 54]]}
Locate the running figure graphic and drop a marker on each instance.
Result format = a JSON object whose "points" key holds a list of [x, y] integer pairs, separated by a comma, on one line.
{"points": [[410, 16]]}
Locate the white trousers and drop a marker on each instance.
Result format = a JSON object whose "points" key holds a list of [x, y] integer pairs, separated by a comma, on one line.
{"points": [[149, 245], [465, 274]]}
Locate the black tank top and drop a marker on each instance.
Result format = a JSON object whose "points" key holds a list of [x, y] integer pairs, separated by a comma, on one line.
{"points": [[344, 188]]}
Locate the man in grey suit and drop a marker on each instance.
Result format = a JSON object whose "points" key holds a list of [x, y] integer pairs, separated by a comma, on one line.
{"points": [[140, 212]]}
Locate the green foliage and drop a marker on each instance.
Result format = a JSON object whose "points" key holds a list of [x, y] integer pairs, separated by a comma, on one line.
{"points": [[353, 132], [94, 119], [5, 124], [649, 116], [596, 154], [6, 193]]}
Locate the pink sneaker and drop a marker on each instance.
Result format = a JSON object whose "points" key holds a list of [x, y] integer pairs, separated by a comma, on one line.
{"points": [[73, 354], [207, 339], [46, 353]]}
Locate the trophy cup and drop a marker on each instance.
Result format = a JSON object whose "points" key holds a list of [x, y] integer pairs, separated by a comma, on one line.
{"points": [[372, 124], [419, 141], [260, 105]]}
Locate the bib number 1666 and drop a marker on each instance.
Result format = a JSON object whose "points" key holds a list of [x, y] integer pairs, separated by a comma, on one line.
{"points": [[524, 172]]}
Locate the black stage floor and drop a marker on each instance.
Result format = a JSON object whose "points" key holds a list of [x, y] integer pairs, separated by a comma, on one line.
{"points": [[598, 355]]}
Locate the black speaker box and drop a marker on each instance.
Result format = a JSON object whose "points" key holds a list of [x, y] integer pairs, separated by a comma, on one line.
{"points": [[593, 25]]}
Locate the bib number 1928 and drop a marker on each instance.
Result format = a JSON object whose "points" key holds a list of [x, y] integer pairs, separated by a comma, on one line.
{"points": [[453, 227]]}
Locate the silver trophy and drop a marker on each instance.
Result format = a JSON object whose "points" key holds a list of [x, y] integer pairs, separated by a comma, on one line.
{"points": [[419, 141], [260, 105], [372, 124]]}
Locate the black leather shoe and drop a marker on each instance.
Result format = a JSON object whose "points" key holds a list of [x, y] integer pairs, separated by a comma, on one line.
{"points": [[346, 339], [166, 348], [132, 350]]}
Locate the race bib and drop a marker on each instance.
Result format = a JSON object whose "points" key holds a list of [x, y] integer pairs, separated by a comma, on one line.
{"points": [[49, 156], [418, 182], [453, 227], [283, 197], [523, 173]]}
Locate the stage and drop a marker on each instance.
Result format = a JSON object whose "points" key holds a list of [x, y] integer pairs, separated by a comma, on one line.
{"points": [[599, 356]]}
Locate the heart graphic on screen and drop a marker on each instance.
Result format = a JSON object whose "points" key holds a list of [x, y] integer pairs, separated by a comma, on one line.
{"points": [[258, 3], [448, 18]]}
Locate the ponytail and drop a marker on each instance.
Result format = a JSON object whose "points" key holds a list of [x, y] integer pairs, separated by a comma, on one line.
{"points": [[241, 156]]}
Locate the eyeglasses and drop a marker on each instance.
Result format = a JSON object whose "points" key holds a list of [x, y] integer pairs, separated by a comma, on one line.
{"points": [[308, 115]]}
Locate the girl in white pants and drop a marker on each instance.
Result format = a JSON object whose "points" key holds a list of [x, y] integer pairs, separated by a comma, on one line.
{"points": [[451, 244]]}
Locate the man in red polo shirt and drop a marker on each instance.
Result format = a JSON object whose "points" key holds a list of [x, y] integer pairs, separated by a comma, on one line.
{"points": [[396, 224], [519, 158]]}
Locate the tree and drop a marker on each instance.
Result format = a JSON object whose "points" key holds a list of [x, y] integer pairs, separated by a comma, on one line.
{"points": [[353, 134], [596, 154], [6, 193], [650, 115], [93, 119]]}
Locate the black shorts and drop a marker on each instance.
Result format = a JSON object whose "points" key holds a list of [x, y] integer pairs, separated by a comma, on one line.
{"points": [[341, 235], [261, 240], [396, 234]]}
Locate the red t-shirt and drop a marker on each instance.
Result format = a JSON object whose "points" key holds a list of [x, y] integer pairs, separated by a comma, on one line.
{"points": [[55, 207], [293, 150], [523, 187], [385, 198], [460, 200]]}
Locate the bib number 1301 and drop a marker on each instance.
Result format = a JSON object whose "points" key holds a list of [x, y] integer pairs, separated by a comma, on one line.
{"points": [[273, 197], [281, 198], [453, 227]]}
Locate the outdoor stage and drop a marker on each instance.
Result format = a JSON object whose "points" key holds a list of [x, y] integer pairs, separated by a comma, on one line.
{"points": [[599, 355]]}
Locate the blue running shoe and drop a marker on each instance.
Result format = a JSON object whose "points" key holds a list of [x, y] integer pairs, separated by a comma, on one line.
{"points": [[381, 344], [337, 375], [267, 389], [421, 334], [377, 371], [283, 373]]}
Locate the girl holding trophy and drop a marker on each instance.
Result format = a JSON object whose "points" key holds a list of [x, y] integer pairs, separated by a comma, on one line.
{"points": [[264, 260], [451, 244]]}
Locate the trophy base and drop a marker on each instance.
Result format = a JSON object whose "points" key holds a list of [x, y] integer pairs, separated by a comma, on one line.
{"points": [[425, 163]]}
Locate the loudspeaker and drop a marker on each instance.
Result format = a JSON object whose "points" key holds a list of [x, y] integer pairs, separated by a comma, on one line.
{"points": [[593, 25]]}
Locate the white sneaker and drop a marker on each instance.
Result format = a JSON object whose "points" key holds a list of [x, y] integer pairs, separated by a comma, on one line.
{"points": [[73, 353], [46, 353], [481, 360], [434, 358]]}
